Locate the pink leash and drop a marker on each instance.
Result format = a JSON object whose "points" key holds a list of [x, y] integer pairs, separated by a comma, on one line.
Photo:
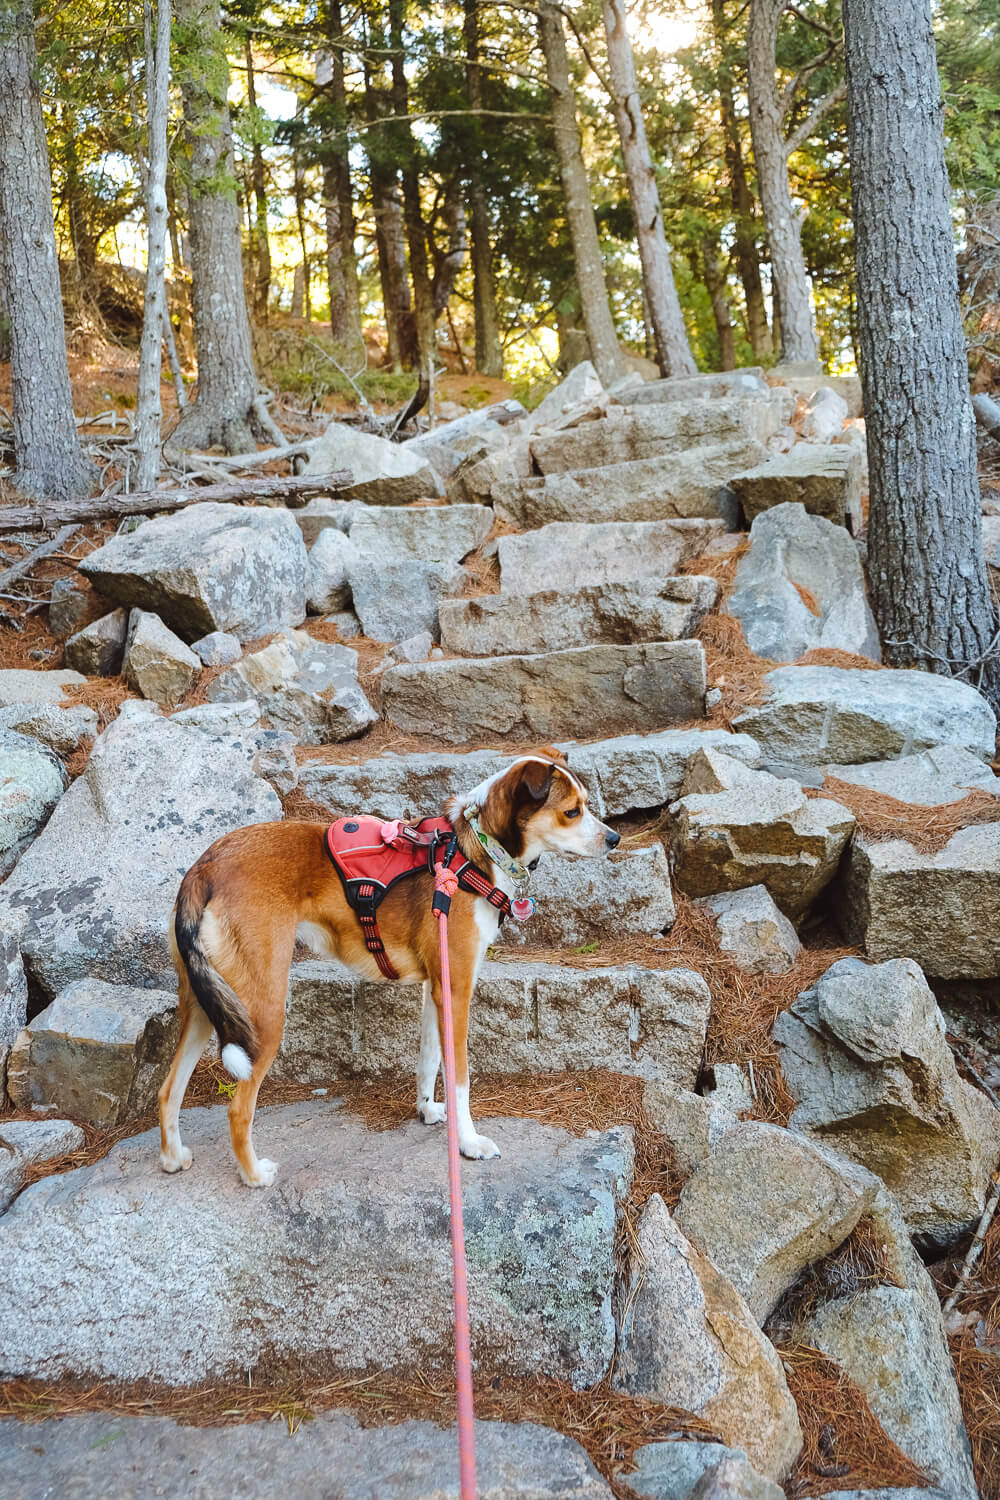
{"points": [[445, 886]]}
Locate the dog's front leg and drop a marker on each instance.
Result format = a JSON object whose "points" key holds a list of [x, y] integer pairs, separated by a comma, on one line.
{"points": [[429, 1064], [471, 1144]]}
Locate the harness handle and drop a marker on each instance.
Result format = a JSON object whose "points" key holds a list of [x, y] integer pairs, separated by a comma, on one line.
{"points": [[445, 886]]}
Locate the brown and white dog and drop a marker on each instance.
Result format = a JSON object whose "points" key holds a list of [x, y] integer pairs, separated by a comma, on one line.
{"points": [[240, 907]]}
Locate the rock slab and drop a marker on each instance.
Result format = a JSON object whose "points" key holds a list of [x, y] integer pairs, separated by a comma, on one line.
{"points": [[578, 553], [342, 1267]]}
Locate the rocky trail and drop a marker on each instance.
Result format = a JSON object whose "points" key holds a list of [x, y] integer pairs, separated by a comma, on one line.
{"points": [[743, 1072]]}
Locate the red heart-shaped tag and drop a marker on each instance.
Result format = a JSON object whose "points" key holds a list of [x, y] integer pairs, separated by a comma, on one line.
{"points": [[522, 908]]}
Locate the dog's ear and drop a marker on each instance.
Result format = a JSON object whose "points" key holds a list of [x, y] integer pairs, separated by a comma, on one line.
{"points": [[552, 753], [534, 782]]}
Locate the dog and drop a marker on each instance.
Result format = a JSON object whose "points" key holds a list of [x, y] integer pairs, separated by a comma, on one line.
{"points": [[241, 906]]}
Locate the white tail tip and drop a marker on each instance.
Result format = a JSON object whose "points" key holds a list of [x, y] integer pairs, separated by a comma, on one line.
{"points": [[235, 1061]]}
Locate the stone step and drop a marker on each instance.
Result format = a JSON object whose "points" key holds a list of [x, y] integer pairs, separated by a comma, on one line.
{"points": [[651, 431], [622, 774], [525, 1017], [612, 614], [344, 1266], [692, 483], [746, 382], [577, 553], [631, 688], [826, 479], [94, 1456]]}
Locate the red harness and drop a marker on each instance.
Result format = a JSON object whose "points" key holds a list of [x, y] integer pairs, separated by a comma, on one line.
{"points": [[372, 856]]}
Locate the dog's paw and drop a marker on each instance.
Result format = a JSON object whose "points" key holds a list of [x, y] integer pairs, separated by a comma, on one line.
{"points": [[178, 1163], [431, 1112], [267, 1171], [478, 1148]]}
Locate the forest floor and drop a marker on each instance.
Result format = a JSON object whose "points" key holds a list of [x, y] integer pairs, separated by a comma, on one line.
{"points": [[743, 1011]]}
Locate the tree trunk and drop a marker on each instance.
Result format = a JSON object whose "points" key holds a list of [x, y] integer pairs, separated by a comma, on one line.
{"points": [[262, 245], [224, 410], [390, 243], [928, 576], [489, 353], [449, 267], [745, 239], [338, 195], [784, 227], [149, 411], [672, 348], [416, 233], [597, 319], [49, 462], [715, 285], [302, 271]]}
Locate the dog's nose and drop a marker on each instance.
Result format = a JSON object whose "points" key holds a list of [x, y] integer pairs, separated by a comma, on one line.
{"points": [[612, 839]]}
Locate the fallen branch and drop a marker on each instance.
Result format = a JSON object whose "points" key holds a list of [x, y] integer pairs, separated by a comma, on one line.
{"points": [[26, 563], [296, 489], [975, 1250]]}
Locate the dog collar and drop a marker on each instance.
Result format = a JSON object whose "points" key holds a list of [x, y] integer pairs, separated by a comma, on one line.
{"points": [[497, 853]]}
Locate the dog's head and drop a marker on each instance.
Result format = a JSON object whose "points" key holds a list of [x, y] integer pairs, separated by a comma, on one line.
{"points": [[539, 805]]}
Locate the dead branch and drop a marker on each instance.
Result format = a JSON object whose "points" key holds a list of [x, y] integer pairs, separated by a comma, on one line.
{"points": [[26, 563]]}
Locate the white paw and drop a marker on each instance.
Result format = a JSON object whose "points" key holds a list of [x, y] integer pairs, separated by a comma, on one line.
{"points": [[266, 1173], [478, 1147], [430, 1112], [178, 1163]]}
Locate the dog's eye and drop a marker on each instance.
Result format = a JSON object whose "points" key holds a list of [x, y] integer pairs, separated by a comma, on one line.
{"points": [[574, 812]]}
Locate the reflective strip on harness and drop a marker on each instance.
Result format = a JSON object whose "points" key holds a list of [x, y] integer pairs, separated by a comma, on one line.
{"points": [[370, 864]]}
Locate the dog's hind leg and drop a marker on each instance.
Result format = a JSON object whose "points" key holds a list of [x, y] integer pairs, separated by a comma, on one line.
{"points": [[470, 1142], [430, 1062], [256, 1171], [196, 1029]]}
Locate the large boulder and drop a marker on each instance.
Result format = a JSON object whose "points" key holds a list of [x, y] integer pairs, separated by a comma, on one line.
{"points": [[94, 892], [636, 432], [543, 697], [209, 567], [693, 483], [748, 381], [766, 1203], [578, 553], [92, 1457], [580, 387], [612, 614], [343, 1268], [685, 1469], [941, 909], [754, 931], [945, 773], [124, 1037], [23, 1143], [32, 780], [13, 992], [814, 715], [305, 686], [756, 829], [891, 1343], [382, 473], [430, 533], [395, 598], [621, 774], [525, 1017], [865, 1054], [583, 900], [801, 587], [689, 1340], [466, 437], [692, 1123], [20, 685]]}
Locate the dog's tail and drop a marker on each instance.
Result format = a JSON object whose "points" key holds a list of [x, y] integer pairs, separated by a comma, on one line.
{"points": [[221, 1004]]}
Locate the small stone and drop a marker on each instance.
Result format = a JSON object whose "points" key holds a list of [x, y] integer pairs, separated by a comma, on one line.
{"points": [[692, 1123], [306, 686], [41, 1140], [346, 624], [395, 599], [754, 931], [220, 718], [98, 649], [69, 606], [217, 649], [826, 413], [414, 648], [684, 1469], [61, 729], [157, 663], [327, 585], [274, 760]]}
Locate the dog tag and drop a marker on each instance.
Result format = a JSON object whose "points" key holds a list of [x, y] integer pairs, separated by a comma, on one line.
{"points": [[389, 832], [522, 908]]}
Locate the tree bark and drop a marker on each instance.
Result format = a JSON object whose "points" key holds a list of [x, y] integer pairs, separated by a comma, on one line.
{"points": [[390, 243], [416, 233], [489, 352], [715, 285], [745, 238], [926, 568], [223, 412], [49, 461], [673, 351], [262, 245], [597, 319], [149, 411], [450, 264], [338, 195], [302, 276], [784, 227]]}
